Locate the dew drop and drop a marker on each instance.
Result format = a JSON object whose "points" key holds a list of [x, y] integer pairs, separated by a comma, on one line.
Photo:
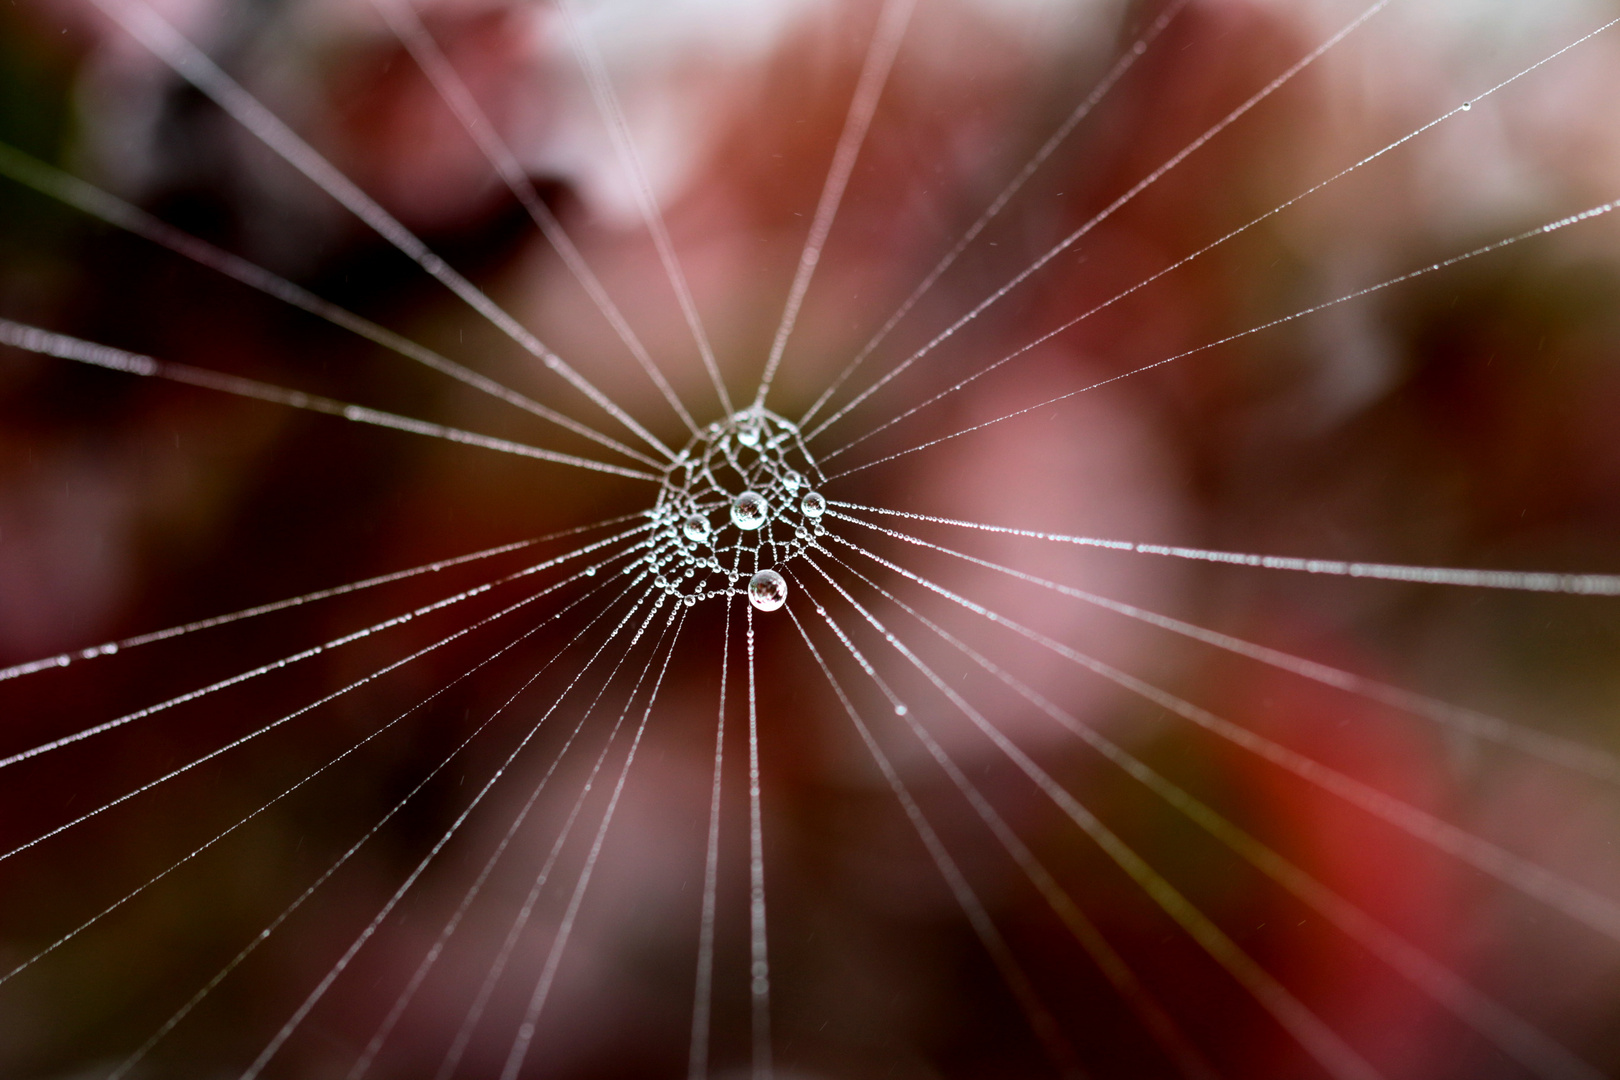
{"points": [[749, 510], [813, 504], [792, 480], [767, 590], [748, 433], [900, 710], [696, 528], [590, 571], [1467, 105]]}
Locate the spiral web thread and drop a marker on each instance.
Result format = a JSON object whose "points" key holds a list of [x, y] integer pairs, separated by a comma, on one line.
{"points": [[739, 502]]}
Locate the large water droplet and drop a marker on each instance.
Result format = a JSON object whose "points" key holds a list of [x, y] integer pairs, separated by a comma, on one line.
{"points": [[813, 505], [749, 510], [767, 590], [748, 432], [696, 528], [792, 480]]}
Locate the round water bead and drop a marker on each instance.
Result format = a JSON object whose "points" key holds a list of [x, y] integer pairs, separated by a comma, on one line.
{"points": [[748, 432], [767, 590], [813, 504], [696, 528], [792, 480], [749, 510]]}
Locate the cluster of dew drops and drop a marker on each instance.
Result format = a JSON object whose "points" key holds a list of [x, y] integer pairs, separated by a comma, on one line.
{"points": [[737, 503]]}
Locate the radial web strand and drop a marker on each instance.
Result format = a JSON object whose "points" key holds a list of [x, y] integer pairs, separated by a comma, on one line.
{"points": [[1211, 246], [114, 211], [365, 935], [406, 23], [44, 342], [1040, 1018], [1571, 899], [520, 921], [175, 1019], [312, 651], [1103, 215], [607, 103], [1541, 230], [274, 724], [880, 56], [403, 1000], [111, 648], [703, 983], [524, 1039], [217, 837], [1126, 61], [1521, 580], [1308, 1029], [149, 28], [1512, 1033], [1552, 749]]}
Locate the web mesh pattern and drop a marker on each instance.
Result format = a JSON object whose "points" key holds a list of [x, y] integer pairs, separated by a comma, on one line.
{"points": [[739, 502]]}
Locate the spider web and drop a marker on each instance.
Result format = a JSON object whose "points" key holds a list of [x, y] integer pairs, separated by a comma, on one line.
{"points": [[503, 762]]}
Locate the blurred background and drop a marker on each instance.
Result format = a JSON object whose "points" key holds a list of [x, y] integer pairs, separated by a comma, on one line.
{"points": [[1464, 418]]}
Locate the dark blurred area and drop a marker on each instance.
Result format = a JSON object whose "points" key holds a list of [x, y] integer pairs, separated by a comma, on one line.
{"points": [[1464, 418]]}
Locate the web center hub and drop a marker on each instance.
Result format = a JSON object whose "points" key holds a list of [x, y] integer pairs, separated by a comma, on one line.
{"points": [[736, 506]]}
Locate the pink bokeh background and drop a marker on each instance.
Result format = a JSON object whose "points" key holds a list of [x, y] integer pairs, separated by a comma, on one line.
{"points": [[1462, 419]]}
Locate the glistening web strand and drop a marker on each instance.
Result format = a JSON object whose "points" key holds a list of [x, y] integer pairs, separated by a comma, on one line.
{"points": [[112, 648], [1103, 215], [893, 19], [1039, 1017], [338, 967], [1329, 1050], [114, 211], [273, 725], [1553, 749], [1177, 1048], [284, 793], [520, 919], [47, 343], [402, 18], [1123, 64], [155, 33], [1577, 902], [523, 1041], [1444, 264], [407, 994], [607, 104], [305, 654], [1510, 1032], [175, 1019], [1024, 350]]}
